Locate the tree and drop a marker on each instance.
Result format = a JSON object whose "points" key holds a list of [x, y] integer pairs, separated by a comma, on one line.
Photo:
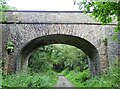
{"points": [[40, 60], [57, 57], [69, 57], [104, 12]]}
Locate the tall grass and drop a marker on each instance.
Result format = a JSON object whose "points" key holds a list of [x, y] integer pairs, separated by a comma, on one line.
{"points": [[26, 79]]}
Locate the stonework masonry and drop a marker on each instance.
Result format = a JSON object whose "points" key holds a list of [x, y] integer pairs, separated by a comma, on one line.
{"points": [[30, 30]]}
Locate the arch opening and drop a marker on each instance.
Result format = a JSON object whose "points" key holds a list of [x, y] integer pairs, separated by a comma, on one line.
{"points": [[58, 58], [82, 44]]}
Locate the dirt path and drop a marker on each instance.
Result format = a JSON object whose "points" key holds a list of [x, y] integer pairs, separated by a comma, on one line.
{"points": [[63, 82]]}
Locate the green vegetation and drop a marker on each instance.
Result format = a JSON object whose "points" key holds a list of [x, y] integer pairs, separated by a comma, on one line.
{"points": [[83, 79], [104, 12], [77, 77], [43, 62], [30, 79], [60, 58], [68, 57], [4, 6], [10, 46], [46, 62]]}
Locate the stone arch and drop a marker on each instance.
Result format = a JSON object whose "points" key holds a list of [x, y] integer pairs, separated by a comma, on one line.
{"points": [[88, 48]]}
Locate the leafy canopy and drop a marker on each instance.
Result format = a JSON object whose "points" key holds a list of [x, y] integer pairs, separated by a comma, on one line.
{"points": [[104, 12]]}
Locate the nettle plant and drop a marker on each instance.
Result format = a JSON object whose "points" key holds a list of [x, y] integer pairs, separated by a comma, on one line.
{"points": [[10, 46]]}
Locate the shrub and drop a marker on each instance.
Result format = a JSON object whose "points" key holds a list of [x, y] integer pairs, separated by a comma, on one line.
{"points": [[65, 72], [77, 78]]}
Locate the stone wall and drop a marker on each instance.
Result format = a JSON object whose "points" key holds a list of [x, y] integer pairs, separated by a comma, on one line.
{"points": [[113, 45]]}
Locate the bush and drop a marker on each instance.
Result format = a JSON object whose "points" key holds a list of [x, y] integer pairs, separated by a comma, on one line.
{"points": [[65, 72], [110, 79], [78, 77], [82, 76]]}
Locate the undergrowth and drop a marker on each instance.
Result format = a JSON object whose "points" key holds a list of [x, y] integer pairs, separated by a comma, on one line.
{"points": [[83, 79], [26, 79]]}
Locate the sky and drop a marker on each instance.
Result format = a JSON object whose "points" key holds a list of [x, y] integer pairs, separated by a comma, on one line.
{"points": [[44, 5]]}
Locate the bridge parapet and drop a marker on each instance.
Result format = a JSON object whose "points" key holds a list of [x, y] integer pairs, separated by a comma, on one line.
{"points": [[51, 17]]}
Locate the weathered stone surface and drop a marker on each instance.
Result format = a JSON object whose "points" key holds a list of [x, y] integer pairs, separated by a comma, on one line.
{"points": [[113, 45], [36, 29], [0, 41], [51, 17]]}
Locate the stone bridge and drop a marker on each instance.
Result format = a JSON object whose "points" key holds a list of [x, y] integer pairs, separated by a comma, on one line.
{"points": [[29, 30]]}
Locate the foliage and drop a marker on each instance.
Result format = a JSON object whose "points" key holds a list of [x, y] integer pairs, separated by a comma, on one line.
{"points": [[10, 46], [83, 79], [58, 58], [69, 57], [104, 12], [28, 79], [65, 72], [40, 60], [4, 6], [42, 63], [77, 78], [105, 80]]}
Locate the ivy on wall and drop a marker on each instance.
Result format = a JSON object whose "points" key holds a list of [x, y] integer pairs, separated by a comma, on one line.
{"points": [[10, 46]]}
